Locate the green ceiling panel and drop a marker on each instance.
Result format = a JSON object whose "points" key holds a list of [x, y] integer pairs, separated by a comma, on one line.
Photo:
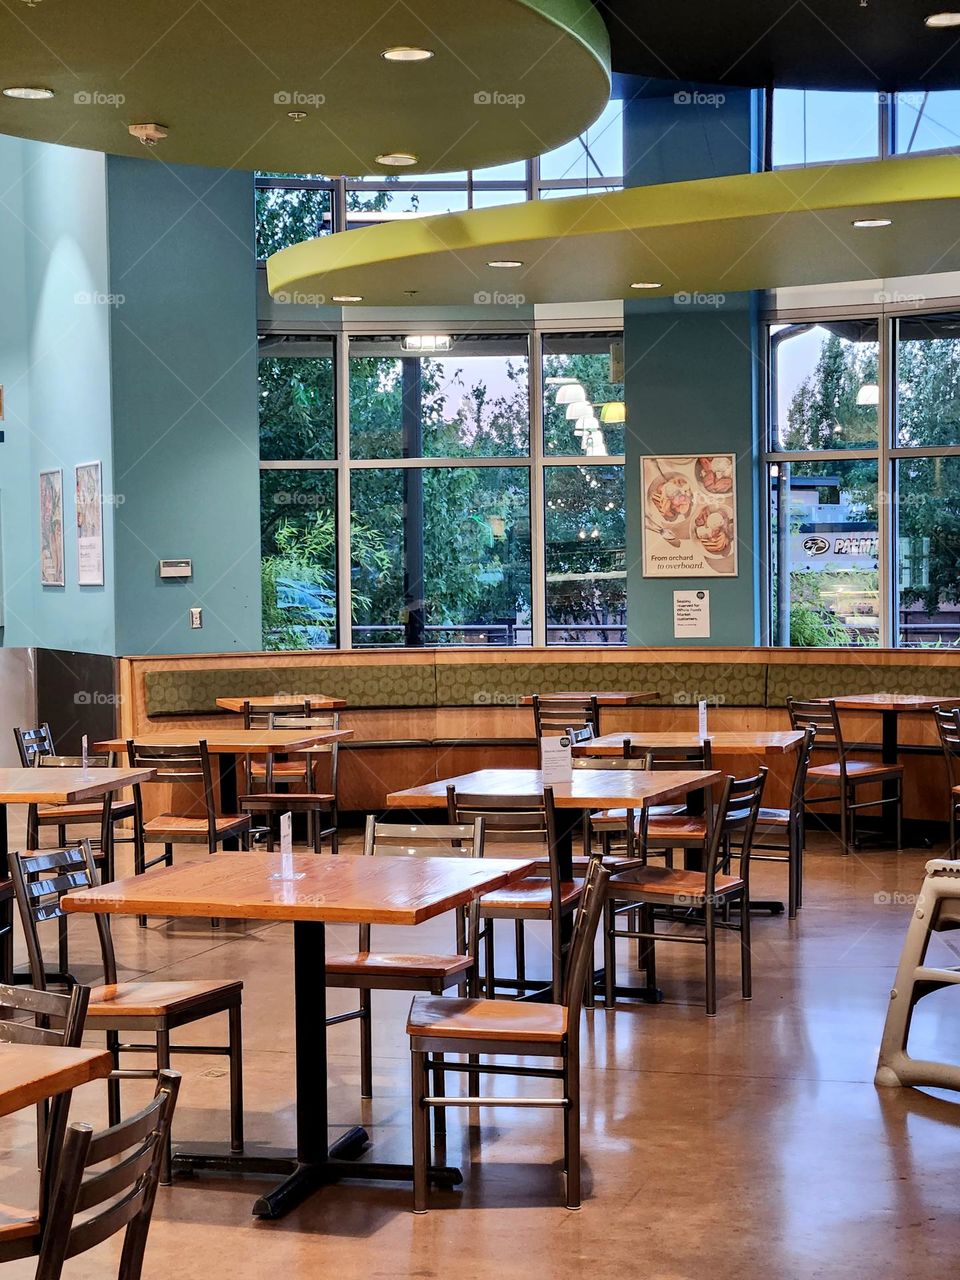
{"points": [[509, 79], [710, 237]]}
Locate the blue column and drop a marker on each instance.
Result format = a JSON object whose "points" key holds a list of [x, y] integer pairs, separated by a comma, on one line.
{"points": [[692, 362]]}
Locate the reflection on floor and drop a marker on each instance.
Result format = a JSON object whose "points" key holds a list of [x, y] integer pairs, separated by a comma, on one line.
{"points": [[751, 1145]]}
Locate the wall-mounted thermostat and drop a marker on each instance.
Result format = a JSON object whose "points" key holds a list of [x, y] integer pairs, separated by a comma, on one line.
{"points": [[176, 568]]}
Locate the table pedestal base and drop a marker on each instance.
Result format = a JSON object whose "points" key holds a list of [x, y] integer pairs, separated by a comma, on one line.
{"points": [[300, 1178]]}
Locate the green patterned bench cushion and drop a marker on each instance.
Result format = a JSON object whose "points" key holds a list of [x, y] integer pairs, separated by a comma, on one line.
{"points": [[681, 684], [837, 679], [192, 692]]}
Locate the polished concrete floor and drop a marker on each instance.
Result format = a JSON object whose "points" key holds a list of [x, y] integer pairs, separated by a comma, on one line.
{"points": [[752, 1145]]}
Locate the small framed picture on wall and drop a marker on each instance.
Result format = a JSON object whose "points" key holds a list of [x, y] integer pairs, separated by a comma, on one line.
{"points": [[89, 525], [51, 528]]}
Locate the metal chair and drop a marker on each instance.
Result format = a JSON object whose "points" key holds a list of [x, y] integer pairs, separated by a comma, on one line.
{"points": [[40, 881], [35, 747], [610, 823], [518, 821], [845, 775], [438, 1025], [20, 1231], [948, 727], [369, 971], [107, 1182], [702, 891], [316, 803], [785, 829], [557, 713]]}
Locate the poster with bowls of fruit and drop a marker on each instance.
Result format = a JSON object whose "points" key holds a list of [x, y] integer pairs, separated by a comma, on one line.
{"points": [[689, 508]]}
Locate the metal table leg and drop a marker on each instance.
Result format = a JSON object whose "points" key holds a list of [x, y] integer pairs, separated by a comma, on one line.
{"points": [[229, 796], [313, 1165]]}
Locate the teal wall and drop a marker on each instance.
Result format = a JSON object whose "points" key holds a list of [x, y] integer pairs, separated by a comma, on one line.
{"points": [[692, 366], [56, 372], [185, 434]]}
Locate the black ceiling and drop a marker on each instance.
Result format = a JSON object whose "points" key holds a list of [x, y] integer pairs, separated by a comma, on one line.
{"points": [[823, 44]]}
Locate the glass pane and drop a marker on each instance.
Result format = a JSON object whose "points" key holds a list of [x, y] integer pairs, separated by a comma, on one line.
{"points": [[286, 217], [825, 391], [814, 126], [928, 121], [558, 193], [298, 547], [824, 553], [389, 205], [582, 394], [296, 407], [471, 526], [515, 172], [597, 153], [462, 405], [928, 552], [928, 381], [490, 199], [585, 555]]}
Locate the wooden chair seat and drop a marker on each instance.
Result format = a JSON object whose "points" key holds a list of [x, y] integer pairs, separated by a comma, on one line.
{"points": [[154, 999], [376, 964], [171, 826], [448, 1018], [292, 799], [531, 897], [677, 827], [773, 818], [281, 768], [857, 771], [17, 1224], [55, 814], [663, 884], [614, 862]]}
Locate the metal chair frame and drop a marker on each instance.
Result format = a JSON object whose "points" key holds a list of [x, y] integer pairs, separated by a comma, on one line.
{"points": [[428, 1056], [310, 801], [948, 729]]}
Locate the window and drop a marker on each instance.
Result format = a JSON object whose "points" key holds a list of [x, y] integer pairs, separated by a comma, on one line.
{"points": [[825, 390], [928, 121], [444, 489], [595, 157], [814, 126]]}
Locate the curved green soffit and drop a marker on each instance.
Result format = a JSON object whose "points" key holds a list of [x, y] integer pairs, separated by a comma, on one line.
{"points": [[714, 236], [509, 79]]}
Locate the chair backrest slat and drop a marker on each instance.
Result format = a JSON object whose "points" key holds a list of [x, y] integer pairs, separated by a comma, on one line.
{"points": [[95, 760], [556, 714], [32, 743], [820, 714], [671, 758], [948, 727], [128, 1189], [737, 812], [580, 964]]}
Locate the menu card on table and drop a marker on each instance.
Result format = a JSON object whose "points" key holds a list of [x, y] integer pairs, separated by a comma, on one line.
{"points": [[556, 759]]}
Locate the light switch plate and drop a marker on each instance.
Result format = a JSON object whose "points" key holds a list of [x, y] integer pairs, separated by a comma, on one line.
{"points": [[196, 619]]}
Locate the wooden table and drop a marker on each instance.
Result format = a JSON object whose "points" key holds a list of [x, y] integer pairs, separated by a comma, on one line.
{"points": [[48, 786], [310, 891], [30, 1073], [605, 699], [227, 744], [736, 743], [317, 701]]}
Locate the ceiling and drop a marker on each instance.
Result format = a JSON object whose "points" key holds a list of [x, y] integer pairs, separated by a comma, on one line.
{"points": [[828, 44], [711, 237], [509, 79]]}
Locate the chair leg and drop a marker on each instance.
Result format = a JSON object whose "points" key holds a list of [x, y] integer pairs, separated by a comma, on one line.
{"points": [[951, 852], [489, 976], [609, 954], [63, 949], [520, 950], [648, 960], [421, 1126], [900, 814], [571, 1130], [844, 822], [793, 871], [746, 956], [439, 1091], [163, 1064], [113, 1083], [168, 855], [236, 1078], [711, 949], [366, 1045]]}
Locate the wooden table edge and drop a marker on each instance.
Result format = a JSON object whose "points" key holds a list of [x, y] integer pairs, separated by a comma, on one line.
{"points": [[301, 742], [97, 1065], [75, 795], [437, 800]]}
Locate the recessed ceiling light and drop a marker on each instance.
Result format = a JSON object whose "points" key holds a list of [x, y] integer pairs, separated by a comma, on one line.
{"points": [[939, 20], [398, 158], [347, 297], [29, 93], [297, 115], [646, 284], [505, 264], [406, 53], [864, 223]]}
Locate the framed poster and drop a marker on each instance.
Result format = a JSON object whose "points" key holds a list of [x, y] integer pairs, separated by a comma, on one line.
{"points": [[89, 525], [51, 528], [689, 507]]}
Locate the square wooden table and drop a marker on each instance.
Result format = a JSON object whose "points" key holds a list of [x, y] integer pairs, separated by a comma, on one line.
{"points": [[308, 890], [48, 786], [293, 701], [30, 1073], [608, 698], [227, 745], [758, 742]]}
